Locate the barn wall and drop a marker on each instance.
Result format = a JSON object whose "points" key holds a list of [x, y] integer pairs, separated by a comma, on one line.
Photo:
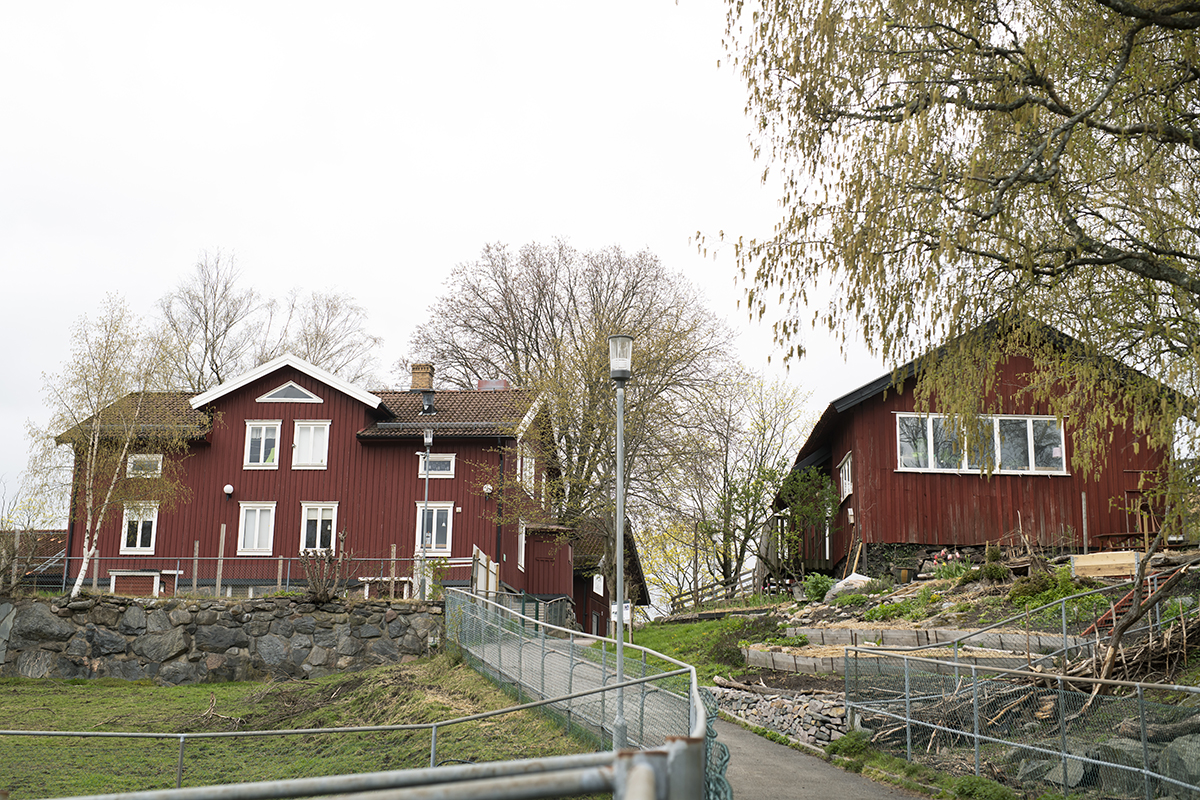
{"points": [[968, 508]]}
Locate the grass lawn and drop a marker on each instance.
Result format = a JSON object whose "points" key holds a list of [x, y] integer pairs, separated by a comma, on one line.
{"points": [[425, 691]]}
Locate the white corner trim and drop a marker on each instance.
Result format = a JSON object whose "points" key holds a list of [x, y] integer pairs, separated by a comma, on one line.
{"points": [[287, 360]]}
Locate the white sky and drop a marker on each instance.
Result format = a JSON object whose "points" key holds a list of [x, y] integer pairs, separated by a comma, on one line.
{"points": [[365, 148]]}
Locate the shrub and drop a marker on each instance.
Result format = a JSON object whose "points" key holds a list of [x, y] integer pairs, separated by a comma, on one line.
{"points": [[878, 586], [978, 788], [849, 600], [854, 743], [886, 611], [995, 572], [992, 554], [816, 586]]}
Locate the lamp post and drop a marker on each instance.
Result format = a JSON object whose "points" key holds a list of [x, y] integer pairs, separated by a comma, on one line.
{"points": [[425, 535], [620, 369]]}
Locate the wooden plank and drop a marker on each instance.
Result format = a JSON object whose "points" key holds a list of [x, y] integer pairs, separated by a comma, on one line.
{"points": [[1112, 564]]}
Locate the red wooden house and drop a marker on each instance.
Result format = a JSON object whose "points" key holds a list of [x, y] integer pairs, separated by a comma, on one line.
{"points": [[904, 477], [295, 455]]}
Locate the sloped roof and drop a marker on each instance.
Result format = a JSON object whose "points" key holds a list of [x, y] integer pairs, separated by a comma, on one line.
{"points": [[160, 411], [287, 360], [587, 544], [458, 413]]}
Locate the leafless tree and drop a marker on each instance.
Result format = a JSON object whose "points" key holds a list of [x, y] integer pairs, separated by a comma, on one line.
{"points": [[210, 325], [327, 329]]}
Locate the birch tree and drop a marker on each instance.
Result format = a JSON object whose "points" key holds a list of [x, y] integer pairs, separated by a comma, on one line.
{"points": [[106, 404]]}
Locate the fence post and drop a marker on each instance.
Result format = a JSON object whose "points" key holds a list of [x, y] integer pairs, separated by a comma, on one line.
{"points": [[642, 711], [392, 575], [433, 746], [220, 560], [279, 575], [1145, 743], [179, 768], [975, 713], [95, 569], [195, 562], [1062, 720], [907, 711], [570, 675]]}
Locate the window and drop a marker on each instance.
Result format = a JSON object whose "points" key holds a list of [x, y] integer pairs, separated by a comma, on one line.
{"points": [[598, 585], [521, 547], [1009, 444], [256, 532], [310, 445], [144, 465], [318, 522], [434, 526], [290, 392], [846, 476], [141, 524], [527, 468], [438, 465], [262, 444]]}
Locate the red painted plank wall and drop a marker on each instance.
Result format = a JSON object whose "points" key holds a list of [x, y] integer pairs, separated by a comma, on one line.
{"points": [[969, 509], [376, 485]]}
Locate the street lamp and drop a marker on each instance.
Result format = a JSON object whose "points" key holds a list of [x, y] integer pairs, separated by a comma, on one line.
{"points": [[620, 369], [425, 534]]}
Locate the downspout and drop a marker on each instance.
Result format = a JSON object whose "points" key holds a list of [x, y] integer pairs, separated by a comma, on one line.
{"points": [[500, 502]]}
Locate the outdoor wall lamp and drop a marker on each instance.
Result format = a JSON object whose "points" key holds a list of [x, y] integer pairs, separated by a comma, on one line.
{"points": [[228, 490]]}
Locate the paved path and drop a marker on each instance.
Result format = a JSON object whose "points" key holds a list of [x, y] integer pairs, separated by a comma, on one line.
{"points": [[760, 769]]}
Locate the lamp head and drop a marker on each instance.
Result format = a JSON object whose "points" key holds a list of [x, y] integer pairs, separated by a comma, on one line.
{"points": [[228, 490], [428, 432], [620, 357]]}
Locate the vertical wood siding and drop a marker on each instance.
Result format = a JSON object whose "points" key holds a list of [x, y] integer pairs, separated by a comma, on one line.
{"points": [[946, 509], [375, 485]]}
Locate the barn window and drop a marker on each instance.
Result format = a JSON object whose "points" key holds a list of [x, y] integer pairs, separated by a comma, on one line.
{"points": [[256, 533], [144, 465], [141, 524], [846, 476], [438, 465], [435, 527], [318, 522], [1001, 444], [310, 446], [262, 444]]}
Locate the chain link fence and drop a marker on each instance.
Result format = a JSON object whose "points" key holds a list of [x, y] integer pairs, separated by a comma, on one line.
{"points": [[1014, 718], [660, 698]]}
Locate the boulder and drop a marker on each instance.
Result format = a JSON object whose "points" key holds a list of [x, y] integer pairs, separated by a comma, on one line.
{"points": [[36, 624]]}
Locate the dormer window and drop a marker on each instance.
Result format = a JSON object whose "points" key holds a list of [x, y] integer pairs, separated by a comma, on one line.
{"points": [[290, 392], [427, 403]]}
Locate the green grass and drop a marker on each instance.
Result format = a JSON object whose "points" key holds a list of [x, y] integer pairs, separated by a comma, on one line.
{"points": [[426, 691], [711, 646]]}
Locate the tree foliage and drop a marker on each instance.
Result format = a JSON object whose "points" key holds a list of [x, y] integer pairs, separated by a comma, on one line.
{"points": [[810, 502], [541, 317], [107, 404], [947, 163]]}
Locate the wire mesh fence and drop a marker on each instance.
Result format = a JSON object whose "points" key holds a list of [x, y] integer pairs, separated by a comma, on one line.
{"points": [[533, 659], [1026, 729]]}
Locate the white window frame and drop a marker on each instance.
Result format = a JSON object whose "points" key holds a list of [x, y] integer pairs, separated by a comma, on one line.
{"points": [[994, 421], [598, 584], [319, 507], [141, 512], [846, 476], [527, 468], [435, 474], [259, 507], [150, 458], [521, 546], [448, 507], [308, 398], [263, 423], [298, 460]]}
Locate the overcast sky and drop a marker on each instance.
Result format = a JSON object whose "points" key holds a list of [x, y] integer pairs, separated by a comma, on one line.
{"points": [[364, 148]]}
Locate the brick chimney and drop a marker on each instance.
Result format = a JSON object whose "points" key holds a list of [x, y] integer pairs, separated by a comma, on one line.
{"points": [[422, 378]]}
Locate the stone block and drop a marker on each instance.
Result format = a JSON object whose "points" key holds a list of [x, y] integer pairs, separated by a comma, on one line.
{"points": [[133, 621]]}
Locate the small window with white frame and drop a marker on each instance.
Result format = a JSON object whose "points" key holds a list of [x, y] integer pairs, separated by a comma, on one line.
{"points": [[262, 444], [256, 529], [318, 521], [435, 527], [521, 546], [140, 529], [310, 444], [846, 476], [437, 465], [144, 465]]}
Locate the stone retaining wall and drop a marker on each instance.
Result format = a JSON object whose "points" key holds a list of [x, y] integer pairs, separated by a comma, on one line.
{"points": [[815, 720], [173, 641]]}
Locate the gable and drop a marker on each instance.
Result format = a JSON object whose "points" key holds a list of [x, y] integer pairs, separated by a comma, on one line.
{"points": [[288, 360]]}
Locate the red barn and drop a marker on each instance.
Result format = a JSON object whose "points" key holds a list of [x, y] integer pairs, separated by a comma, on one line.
{"points": [[295, 455], [905, 478]]}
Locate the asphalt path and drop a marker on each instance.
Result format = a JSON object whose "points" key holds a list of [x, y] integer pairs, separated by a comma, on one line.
{"points": [[760, 769]]}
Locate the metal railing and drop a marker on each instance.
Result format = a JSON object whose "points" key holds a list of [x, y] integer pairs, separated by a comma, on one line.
{"points": [[662, 702]]}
